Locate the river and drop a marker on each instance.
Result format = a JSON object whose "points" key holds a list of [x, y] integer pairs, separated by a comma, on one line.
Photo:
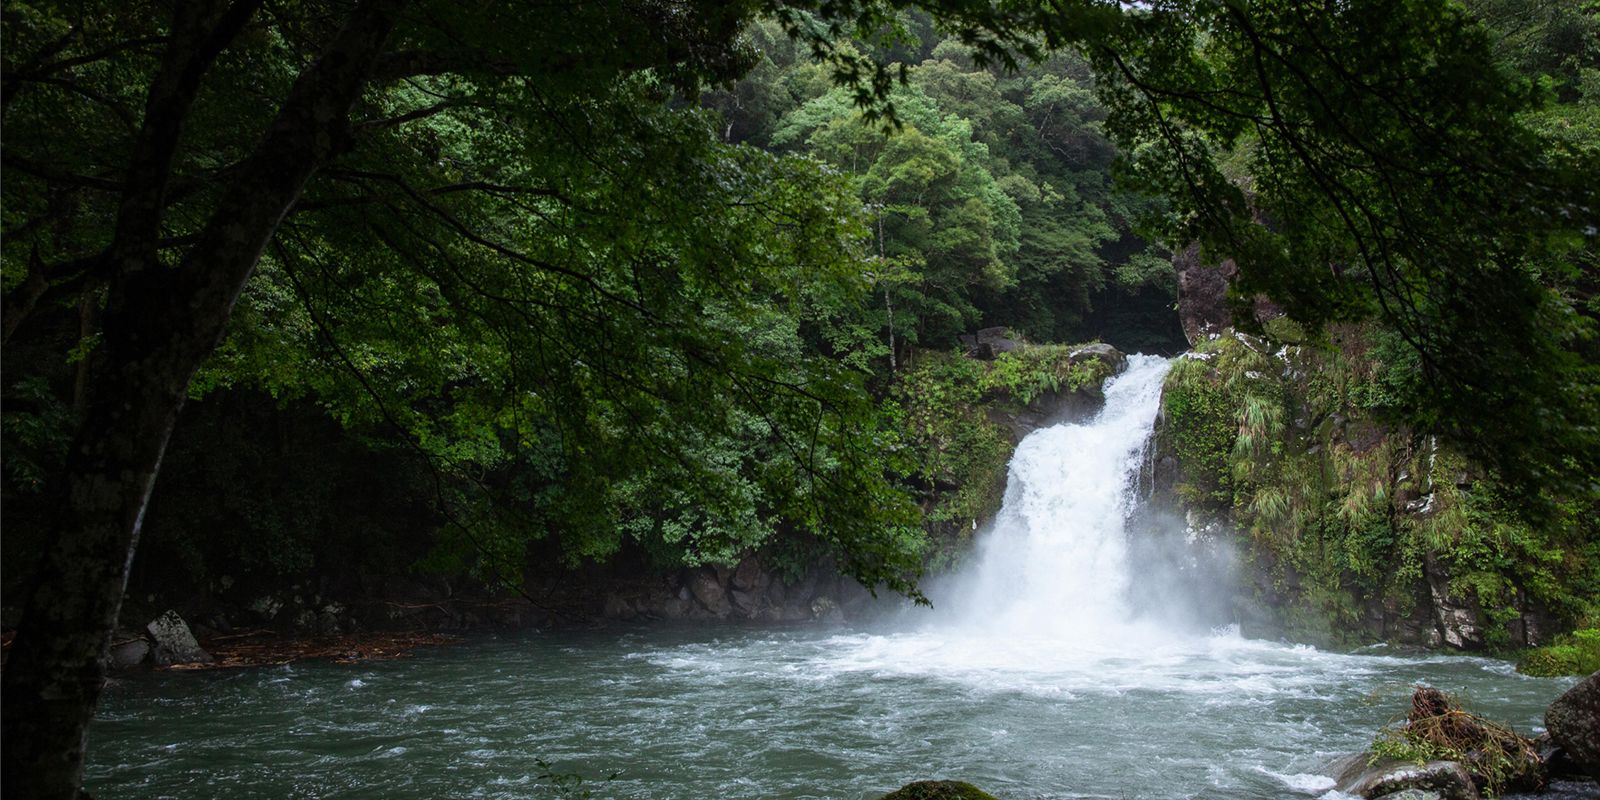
{"points": [[1035, 676]]}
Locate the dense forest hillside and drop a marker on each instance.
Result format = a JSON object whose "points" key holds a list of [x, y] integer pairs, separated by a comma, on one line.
{"points": [[335, 416]]}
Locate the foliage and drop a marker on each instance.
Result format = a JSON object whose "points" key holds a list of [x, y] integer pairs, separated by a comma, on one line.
{"points": [[992, 194], [1576, 653], [959, 454], [1433, 205], [1025, 375]]}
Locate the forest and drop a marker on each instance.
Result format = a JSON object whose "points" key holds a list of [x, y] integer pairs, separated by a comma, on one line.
{"points": [[358, 299]]}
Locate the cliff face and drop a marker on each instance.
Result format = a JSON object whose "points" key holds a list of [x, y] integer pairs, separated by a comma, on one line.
{"points": [[1341, 528]]}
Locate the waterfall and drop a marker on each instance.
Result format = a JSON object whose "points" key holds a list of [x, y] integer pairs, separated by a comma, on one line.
{"points": [[1055, 563]]}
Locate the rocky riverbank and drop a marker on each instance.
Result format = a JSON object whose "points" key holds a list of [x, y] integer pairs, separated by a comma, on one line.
{"points": [[1444, 752]]}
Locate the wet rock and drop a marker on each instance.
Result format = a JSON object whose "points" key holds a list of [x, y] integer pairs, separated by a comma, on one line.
{"points": [[748, 576], [618, 608], [824, 609], [1447, 780], [991, 342], [746, 604], [1574, 724], [1101, 351], [675, 608], [707, 588], [130, 654], [267, 607], [1558, 765], [174, 644], [938, 790]]}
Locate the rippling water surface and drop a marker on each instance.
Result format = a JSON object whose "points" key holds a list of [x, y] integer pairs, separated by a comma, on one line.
{"points": [[803, 713], [1037, 679]]}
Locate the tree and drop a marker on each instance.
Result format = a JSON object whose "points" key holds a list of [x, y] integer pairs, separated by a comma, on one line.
{"points": [[403, 131]]}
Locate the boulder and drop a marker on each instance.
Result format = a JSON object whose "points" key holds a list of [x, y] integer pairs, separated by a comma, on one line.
{"points": [[938, 790], [174, 644], [748, 576], [129, 654], [706, 588], [747, 604], [617, 607], [1447, 780], [824, 609], [1101, 351], [1574, 724], [991, 342]]}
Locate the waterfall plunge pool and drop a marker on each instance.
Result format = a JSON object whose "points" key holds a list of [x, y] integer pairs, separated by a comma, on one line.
{"points": [[798, 713], [1036, 677]]}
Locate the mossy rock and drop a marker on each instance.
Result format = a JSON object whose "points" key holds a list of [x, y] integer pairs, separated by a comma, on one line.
{"points": [[938, 790], [1577, 653]]}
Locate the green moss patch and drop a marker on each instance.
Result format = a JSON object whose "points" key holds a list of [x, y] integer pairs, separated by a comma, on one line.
{"points": [[938, 790], [1577, 653]]}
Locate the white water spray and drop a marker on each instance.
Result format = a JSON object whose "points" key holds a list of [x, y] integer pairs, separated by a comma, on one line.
{"points": [[1055, 564]]}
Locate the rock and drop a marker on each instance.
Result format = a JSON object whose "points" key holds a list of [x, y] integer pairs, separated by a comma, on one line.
{"points": [[1101, 351], [824, 609], [1203, 307], [1574, 724], [328, 623], [746, 603], [747, 575], [991, 342], [618, 608], [1447, 780], [267, 607], [1558, 765], [1458, 622], [706, 588], [938, 790], [174, 644], [129, 654]]}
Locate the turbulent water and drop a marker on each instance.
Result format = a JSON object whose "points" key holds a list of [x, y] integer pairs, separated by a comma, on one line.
{"points": [[1034, 679]]}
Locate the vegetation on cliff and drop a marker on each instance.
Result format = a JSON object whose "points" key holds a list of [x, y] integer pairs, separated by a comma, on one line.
{"points": [[1575, 653], [953, 410], [1353, 526]]}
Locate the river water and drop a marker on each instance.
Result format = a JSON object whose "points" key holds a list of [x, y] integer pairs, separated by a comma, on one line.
{"points": [[1034, 677]]}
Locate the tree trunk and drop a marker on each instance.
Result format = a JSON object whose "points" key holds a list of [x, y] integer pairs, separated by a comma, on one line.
{"points": [[160, 325]]}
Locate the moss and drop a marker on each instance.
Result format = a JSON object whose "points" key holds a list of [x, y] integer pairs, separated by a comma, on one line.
{"points": [[1577, 653], [1024, 375], [957, 454], [1290, 444], [938, 790]]}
